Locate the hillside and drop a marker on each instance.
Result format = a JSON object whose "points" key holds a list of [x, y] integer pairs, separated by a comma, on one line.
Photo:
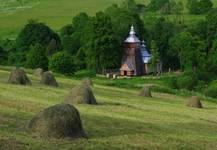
{"points": [[55, 13], [122, 120]]}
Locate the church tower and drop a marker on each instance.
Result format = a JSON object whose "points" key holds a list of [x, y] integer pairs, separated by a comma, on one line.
{"points": [[132, 63]]}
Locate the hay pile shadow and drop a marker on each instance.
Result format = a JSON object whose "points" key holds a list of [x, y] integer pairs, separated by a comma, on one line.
{"points": [[81, 94], [59, 121], [18, 76], [38, 72], [87, 81], [195, 102], [146, 91], [48, 78]]}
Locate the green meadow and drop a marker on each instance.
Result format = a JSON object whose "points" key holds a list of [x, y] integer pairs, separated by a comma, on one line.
{"points": [[55, 13], [122, 120]]}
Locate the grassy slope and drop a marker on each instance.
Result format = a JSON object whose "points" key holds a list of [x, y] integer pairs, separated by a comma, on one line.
{"points": [[56, 13], [122, 120]]}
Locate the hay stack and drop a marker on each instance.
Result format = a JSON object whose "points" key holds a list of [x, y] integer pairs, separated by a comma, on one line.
{"points": [[48, 78], [18, 76], [81, 94], [59, 121], [195, 102], [87, 81], [146, 91], [38, 72]]}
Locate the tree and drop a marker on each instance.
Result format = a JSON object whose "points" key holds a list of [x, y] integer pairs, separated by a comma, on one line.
{"points": [[212, 61], [123, 14], [205, 6], [188, 49], [161, 32], [155, 54], [36, 57], [72, 34], [102, 50], [199, 6], [3, 56], [35, 32], [156, 5], [62, 62]]}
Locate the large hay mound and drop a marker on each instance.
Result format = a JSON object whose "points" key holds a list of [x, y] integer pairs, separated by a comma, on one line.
{"points": [[38, 72], [18, 76], [87, 81], [48, 78], [81, 94], [59, 121], [146, 91], [195, 102]]}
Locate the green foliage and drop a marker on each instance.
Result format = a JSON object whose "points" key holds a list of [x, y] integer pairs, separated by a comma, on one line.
{"points": [[211, 90], [173, 83], [187, 81], [161, 31], [72, 35], [3, 56], [102, 48], [155, 5], [199, 6], [62, 62], [85, 73], [36, 57], [155, 54], [188, 49], [35, 32], [79, 59], [123, 14]]}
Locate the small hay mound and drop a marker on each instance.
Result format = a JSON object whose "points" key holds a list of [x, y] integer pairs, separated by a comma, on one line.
{"points": [[81, 94], [146, 91], [38, 72], [195, 102], [87, 81], [59, 121], [18, 76], [48, 78]]}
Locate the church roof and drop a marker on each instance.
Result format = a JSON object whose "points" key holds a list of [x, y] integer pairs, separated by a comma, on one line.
{"points": [[132, 38], [146, 56]]}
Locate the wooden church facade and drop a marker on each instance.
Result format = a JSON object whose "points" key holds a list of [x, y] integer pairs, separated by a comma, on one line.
{"points": [[135, 59]]}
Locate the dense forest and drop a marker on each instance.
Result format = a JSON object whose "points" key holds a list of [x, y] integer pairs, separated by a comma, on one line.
{"points": [[95, 42]]}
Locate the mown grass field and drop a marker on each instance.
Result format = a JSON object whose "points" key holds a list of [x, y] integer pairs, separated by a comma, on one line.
{"points": [[122, 120], [55, 13]]}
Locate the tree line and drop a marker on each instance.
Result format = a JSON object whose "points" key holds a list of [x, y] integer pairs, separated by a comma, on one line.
{"points": [[96, 42]]}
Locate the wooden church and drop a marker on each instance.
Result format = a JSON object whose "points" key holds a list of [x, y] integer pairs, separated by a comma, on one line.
{"points": [[136, 58]]}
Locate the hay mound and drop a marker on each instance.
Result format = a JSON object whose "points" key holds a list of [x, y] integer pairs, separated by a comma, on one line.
{"points": [[48, 78], [87, 81], [81, 94], [195, 102], [59, 121], [18, 76], [38, 72], [146, 91]]}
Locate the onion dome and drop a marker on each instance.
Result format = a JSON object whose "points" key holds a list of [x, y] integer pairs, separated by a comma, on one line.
{"points": [[132, 37], [146, 56]]}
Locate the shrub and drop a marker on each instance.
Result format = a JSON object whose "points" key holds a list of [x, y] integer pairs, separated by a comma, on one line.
{"points": [[211, 90], [187, 82], [62, 62], [173, 83], [85, 73], [37, 58]]}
